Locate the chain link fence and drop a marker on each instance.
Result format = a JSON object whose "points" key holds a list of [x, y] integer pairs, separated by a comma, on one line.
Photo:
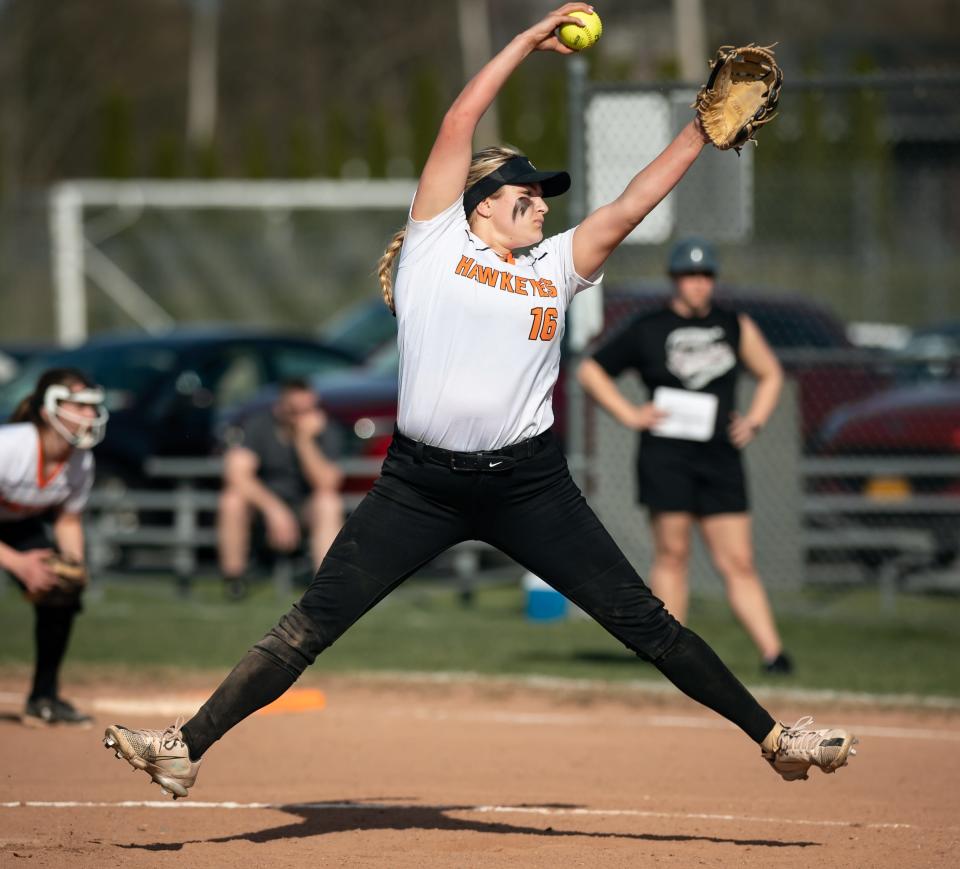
{"points": [[851, 197], [845, 216], [841, 224]]}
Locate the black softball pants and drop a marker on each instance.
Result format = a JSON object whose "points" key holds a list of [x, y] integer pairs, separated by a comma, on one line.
{"points": [[526, 505], [53, 620]]}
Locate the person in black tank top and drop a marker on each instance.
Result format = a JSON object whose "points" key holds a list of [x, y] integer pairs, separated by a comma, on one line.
{"points": [[697, 477]]}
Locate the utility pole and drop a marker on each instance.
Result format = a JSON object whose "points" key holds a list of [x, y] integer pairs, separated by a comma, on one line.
{"points": [[690, 39], [202, 96], [475, 49], [13, 49]]}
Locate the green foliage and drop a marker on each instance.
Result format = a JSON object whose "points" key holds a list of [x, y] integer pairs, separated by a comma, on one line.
{"points": [[167, 160], [206, 161], [302, 155], [427, 108], [337, 139], [832, 140], [533, 116], [510, 106], [378, 141], [667, 69], [256, 153], [553, 105], [116, 137]]}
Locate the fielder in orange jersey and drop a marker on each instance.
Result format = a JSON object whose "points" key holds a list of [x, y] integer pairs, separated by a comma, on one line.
{"points": [[46, 472], [474, 456]]}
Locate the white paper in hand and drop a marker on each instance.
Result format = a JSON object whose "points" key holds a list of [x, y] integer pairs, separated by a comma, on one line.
{"points": [[691, 416]]}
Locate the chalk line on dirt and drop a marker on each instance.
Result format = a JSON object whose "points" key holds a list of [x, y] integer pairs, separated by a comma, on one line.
{"points": [[551, 811]]}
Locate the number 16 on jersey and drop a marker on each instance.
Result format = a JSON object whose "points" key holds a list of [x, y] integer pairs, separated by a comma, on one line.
{"points": [[544, 324]]}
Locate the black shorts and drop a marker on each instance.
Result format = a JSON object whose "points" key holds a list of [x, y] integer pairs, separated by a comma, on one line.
{"points": [[26, 534], [677, 476]]}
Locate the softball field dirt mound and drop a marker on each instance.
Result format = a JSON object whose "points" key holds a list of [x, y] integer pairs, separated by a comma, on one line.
{"points": [[363, 773]]}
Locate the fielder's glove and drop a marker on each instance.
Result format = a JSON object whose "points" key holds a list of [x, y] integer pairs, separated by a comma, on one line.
{"points": [[740, 96], [71, 581]]}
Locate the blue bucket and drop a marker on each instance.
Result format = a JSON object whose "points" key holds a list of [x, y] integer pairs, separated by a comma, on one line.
{"points": [[543, 602]]}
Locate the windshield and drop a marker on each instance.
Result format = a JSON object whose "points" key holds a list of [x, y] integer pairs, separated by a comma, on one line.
{"points": [[386, 360], [363, 329]]}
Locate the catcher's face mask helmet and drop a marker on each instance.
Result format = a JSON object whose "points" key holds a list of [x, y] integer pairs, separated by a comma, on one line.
{"points": [[79, 429]]}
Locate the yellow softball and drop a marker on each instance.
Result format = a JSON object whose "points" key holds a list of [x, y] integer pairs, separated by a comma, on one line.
{"points": [[579, 38]]}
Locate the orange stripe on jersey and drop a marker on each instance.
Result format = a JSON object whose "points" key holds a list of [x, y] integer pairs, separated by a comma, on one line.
{"points": [[41, 482], [508, 258]]}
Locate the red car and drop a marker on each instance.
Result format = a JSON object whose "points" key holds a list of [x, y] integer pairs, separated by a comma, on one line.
{"points": [[892, 461], [915, 420]]}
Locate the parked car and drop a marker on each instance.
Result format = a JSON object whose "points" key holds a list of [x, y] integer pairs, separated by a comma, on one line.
{"points": [[13, 356], [164, 392], [810, 341], [910, 438], [918, 414], [8, 367], [932, 353], [363, 330], [915, 420]]}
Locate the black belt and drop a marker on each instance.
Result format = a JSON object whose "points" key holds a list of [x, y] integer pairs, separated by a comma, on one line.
{"points": [[484, 460]]}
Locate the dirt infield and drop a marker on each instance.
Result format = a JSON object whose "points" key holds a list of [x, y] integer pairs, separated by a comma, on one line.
{"points": [[479, 775]]}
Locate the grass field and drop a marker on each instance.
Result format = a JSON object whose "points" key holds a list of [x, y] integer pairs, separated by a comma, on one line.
{"points": [[841, 640]]}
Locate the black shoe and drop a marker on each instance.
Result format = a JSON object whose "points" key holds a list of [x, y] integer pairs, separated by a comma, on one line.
{"points": [[236, 588], [782, 665], [41, 711]]}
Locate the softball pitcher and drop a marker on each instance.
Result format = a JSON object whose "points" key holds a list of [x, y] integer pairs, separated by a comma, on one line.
{"points": [[474, 456]]}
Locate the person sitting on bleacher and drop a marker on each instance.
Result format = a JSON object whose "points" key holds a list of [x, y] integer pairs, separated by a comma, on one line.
{"points": [[280, 468]]}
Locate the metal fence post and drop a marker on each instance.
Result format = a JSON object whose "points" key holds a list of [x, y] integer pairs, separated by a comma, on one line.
{"points": [[576, 402]]}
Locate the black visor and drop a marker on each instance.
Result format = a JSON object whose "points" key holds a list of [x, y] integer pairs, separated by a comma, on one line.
{"points": [[519, 171]]}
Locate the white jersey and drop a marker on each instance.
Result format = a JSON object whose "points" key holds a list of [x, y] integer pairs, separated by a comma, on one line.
{"points": [[24, 490], [479, 337]]}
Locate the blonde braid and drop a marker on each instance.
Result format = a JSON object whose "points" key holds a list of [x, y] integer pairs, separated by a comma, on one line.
{"points": [[385, 267]]}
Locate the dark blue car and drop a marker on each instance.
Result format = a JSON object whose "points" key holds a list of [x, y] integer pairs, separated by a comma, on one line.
{"points": [[165, 392]]}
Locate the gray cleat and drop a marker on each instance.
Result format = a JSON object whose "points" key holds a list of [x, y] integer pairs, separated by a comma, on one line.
{"points": [[791, 751], [162, 754]]}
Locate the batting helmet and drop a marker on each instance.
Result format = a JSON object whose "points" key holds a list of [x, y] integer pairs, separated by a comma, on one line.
{"points": [[692, 256]]}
